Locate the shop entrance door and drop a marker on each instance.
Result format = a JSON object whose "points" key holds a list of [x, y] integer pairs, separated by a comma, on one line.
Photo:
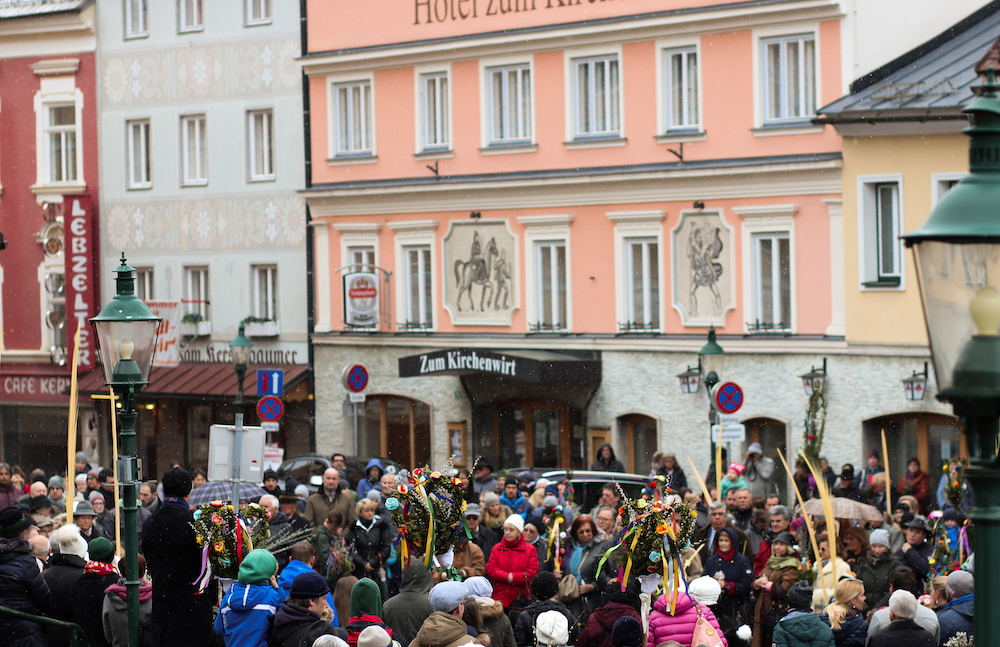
{"points": [[533, 434]]}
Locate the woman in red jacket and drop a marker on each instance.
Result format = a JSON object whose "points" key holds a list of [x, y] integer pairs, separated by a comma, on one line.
{"points": [[512, 564], [916, 484]]}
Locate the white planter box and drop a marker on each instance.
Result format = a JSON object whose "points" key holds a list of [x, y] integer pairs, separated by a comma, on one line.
{"points": [[263, 329], [200, 329]]}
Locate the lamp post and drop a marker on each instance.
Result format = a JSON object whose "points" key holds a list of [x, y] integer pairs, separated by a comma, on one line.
{"points": [[126, 333], [239, 351], [957, 254], [712, 354]]}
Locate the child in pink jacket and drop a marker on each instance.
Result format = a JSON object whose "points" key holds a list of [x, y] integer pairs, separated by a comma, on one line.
{"points": [[680, 626]]}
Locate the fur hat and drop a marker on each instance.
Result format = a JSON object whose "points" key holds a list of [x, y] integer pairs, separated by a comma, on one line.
{"points": [[101, 550], [69, 541], [627, 632], [545, 585]]}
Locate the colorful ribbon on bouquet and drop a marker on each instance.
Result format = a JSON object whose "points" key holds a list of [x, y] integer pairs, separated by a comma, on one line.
{"points": [[205, 575]]}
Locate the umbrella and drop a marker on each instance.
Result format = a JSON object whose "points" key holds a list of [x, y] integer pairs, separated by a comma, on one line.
{"points": [[223, 491], [845, 509]]}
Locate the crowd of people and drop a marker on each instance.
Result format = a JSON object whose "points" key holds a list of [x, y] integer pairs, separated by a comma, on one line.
{"points": [[750, 574]]}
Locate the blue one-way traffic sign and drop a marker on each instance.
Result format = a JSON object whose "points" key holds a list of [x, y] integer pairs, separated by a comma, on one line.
{"points": [[271, 381]]}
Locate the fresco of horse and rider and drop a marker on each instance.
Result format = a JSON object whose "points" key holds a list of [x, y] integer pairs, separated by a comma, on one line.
{"points": [[480, 266]]}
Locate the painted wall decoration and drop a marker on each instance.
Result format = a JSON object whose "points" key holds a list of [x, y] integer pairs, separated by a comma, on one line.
{"points": [[481, 262], [703, 262]]}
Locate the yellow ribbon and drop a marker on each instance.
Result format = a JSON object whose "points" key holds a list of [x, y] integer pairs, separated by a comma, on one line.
{"points": [[553, 535], [635, 540], [428, 552], [666, 572]]}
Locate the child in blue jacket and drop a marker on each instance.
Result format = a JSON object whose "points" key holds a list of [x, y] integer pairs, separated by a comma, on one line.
{"points": [[247, 609]]}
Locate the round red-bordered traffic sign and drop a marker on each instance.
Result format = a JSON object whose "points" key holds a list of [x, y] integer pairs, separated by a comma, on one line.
{"points": [[727, 397], [356, 378], [270, 408]]}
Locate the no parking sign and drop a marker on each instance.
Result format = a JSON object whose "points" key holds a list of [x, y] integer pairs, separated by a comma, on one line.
{"points": [[727, 397]]}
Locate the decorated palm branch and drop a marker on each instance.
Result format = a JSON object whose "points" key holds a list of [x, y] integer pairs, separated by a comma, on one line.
{"points": [[555, 531], [955, 487], [226, 537], [429, 510]]}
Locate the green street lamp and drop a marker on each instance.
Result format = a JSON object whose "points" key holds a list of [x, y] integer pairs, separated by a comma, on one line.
{"points": [[712, 355], [239, 351], [126, 334], [957, 253]]}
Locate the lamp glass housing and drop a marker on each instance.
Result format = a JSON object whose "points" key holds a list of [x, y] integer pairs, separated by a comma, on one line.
{"points": [[915, 387], [110, 338], [239, 350], [690, 380]]}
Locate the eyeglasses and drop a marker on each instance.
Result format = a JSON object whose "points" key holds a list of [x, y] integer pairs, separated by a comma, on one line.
{"points": [[472, 516]]}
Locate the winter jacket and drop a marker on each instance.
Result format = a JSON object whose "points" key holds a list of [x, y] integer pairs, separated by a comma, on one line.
{"points": [[319, 505], [802, 629], [22, 588], [245, 616], [904, 632], [63, 571], [114, 613], [9, 496], [874, 572], [297, 567], [519, 505], [519, 559], [408, 609], [853, 631], [597, 631], [727, 485], [781, 580], [367, 484], [758, 476], [925, 618], [956, 617], [442, 629], [833, 570], [87, 604], [918, 485], [705, 550], [524, 628], [496, 623], [372, 544], [677, 478], [366, 609], [680, 626], [296, 626], [486, 539], [917, 559], [468, 561], [738, 574], [610, 465], [593, 551]]}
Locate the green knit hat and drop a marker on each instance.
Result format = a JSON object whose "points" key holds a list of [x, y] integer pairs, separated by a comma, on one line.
{"points": [[258, 566], [101, 550], [366, 598]]}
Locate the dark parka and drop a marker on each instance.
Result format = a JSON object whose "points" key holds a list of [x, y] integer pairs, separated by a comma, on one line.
{"points": [[874, 572], [372, 545], [173, 561], [853, 631], [524, 628], [611, 465], [593, 551], [22, 588], [279, 527], [408, 609], [918, 558], [956, 617], [781, 580], [597, 630], [737, 571], [903, 632], [63, 572], [802, 629], [87, 605], [296, 626], [496, 623]]}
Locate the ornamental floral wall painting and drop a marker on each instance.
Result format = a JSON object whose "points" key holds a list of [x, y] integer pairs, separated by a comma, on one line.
{"points": [[703, 262], [480, 279]]}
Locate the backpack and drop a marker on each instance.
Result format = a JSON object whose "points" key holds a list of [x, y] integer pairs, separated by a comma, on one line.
{"points": [[551, 628]]}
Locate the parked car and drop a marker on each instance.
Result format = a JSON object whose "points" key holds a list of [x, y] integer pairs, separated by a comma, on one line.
{"points": [[587, 485], [308, 469]]}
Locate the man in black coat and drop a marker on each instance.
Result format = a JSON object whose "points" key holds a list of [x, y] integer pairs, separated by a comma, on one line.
{"points": [[180, 615], [22, 587], [482, 536], [297, 621], [903, 630], [544, 588], [64, 569], [917, 551], [704, 538]]}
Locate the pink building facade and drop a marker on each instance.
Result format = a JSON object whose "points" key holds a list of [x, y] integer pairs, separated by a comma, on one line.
{"points": [[526, 215]]}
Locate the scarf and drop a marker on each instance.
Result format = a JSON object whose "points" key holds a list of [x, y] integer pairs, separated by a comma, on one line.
{"points": [[175, 502], [776, 563], [575, 560], [100, 568], [728, 556]]}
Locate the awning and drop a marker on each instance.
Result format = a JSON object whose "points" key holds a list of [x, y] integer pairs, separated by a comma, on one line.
{"points": [[202, 379]]}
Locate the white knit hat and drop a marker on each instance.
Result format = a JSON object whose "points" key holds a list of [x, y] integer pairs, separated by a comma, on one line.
{"points": [[551, 628], [705, 589], [515, 520]]}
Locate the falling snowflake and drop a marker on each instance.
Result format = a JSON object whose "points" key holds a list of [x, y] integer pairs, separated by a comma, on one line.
{"points": [[271, 231], [271, 211], [203, 224], [200, 71]]}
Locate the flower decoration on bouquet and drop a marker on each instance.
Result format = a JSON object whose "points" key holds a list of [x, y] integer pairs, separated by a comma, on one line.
{"points": [[654, 531], [428, 507], [226, 536], [555, 531], [955, 487]]}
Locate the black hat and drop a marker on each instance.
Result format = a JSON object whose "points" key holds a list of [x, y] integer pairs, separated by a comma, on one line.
{"points": [[13, 522], [287, 498], [901, 505], [545, 585], [800, 595], [40, 501], [309, 586], [949, 514], [630, 595], [627, 632], [177, 482], [270, 474], [919, 522], [847, 473], [784, 537], [484, 465], [535, 521]]}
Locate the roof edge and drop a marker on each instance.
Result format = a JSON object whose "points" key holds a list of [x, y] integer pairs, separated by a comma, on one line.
{"points": [[924, 48]]}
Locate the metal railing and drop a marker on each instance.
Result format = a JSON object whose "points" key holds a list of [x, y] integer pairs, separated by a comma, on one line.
{"points": [[77, 637]]}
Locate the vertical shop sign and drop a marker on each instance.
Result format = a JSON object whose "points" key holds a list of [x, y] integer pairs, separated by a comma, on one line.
{"points": [[81, 272]]}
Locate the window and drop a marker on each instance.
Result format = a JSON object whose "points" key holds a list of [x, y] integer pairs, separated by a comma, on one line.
{"points": [[196, 290], [434, 88], [265, 292], [682, 88], [789, 78], [60, 132], [258, 12], [887, 227], [510, 104], [419, 304], [550, 288], [598, 112], [259, 125], [772, 282], [881, 219], [144, 283], [191, 18], [643, 288], [136, 19], [353, 118], [137, 155], [362, 258], [194, 151]]}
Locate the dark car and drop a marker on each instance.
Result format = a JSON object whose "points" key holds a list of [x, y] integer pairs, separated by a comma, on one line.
{"points": [[587, 486], [308, 469]]}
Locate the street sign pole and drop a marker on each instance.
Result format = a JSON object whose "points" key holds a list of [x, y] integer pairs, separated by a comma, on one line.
{"points": [[237, 459]]}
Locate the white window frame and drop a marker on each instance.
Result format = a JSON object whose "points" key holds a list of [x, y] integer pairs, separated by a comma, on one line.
{"points": [[869, 264], [145, 288], [136, 9], [255, 147], [410, 234], [63, 132], [366, 264], [613, 104], [262, 8], [764, 127], [665, 90], [541, 229], [941, 183], [355, 235], [190, 15], [487, 69], [198, 175], [363, 149], [141, 178], [197, 283], [441, 122], [264, 286], [761, 220], [633, 226], [54, 91], [775, 238], [806, 98], [425, 266]]}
